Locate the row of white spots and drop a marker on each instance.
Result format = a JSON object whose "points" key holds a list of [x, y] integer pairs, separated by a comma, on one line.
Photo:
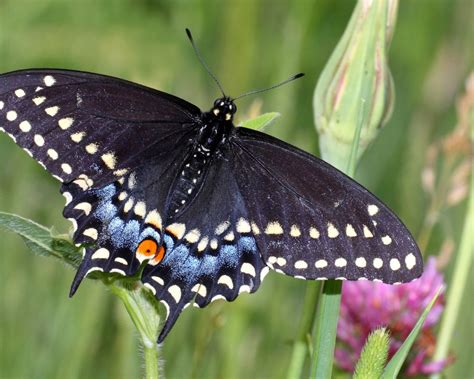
{"points": [[361, 262]]}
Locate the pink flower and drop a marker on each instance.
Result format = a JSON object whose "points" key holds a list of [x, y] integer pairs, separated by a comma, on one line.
{"points": [[367, 305]]}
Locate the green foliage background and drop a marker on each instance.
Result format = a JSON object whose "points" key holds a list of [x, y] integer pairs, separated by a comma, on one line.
{"points": [[248, 44]]}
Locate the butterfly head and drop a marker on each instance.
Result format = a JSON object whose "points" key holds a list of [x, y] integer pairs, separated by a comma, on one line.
{"points": [[224, 109]]}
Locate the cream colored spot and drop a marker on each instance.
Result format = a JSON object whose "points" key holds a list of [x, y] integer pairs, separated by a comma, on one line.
{"points": [[20, 93], [340, 262], [244, 288], [378, 263], [295, 231], [153, 218], [92, 148], [221, 228], [93, 269], [66, 168], [2, 104], [140, 209], [68, 197], [192, 236], [52, 111], [367, 232], [410, 261], [85, 207], [301, 265], [175, 292], [121, 172], [274, 228], [281, 261], [25, 126], [49, 80], [218, 297], [11, 115], [92, 233], [121, 260], [361, 262], [214, 244], [101, 253], [77, 137], [226, 280], [150, 287], [158, 280], [272, 260], [372, 209], [313, 233], [128, 205], [39, 140], [386, 240], [229, 236], [177, 230], [38, 89], [39, 100], [255, 229], [350, 232], [167, 308], [122, 196], [65, 123], [53, 154], [248, 268], [200, 289], [110, 160], [243, 226], [264, 273], [321, 263], [203, 244], [394, 264], [332, 231], [84, 182]]}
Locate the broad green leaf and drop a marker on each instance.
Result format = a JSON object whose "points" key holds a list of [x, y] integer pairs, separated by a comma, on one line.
{"points": [[261, 121], [393, 367], [40, 239]]}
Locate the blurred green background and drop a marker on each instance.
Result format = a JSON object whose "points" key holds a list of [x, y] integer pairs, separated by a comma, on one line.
{"points": [[248, 44]]}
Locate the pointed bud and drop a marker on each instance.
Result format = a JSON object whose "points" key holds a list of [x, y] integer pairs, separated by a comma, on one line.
{"points": [[356, 86]]}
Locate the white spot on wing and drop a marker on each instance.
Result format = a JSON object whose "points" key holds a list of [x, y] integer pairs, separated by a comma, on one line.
{"points": [[350, 232], [159, 280], [200, 289], [340, 262], [175, 292], [313, 233], [273, 227], [332, 231], [66, 168], [39, 100], [301, 265], [109, 160], [203, 244], [39, 140], [295, 231], [92, 148], [378, 263], [367, 232], [19, 93], [121, 261], [11, 115], [372, 209], [140, 209], [77, 137], [150, 287], [229, 236], [361, 262], [101, 253], [192, 236], [52, 111], [177, 230], [49, 80], [243, 226], [221, 228], [226, 280], [321, 263], [85, 207], [25, 126], [394, 264], [65, 123], [410, 261], [386, 240], [91, 232], [248, 268]]}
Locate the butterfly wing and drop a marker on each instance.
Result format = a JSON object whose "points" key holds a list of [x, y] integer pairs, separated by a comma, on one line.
{"points": [[210, 249], [317, 223], [115, 145], [86, 126]]}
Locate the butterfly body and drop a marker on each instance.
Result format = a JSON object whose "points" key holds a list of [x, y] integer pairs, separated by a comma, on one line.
{"points": [[208, 208]]}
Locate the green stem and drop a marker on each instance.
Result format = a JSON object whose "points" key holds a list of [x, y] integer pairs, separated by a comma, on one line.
{"points": [[146, 319], [464, 261], [300, 345]]}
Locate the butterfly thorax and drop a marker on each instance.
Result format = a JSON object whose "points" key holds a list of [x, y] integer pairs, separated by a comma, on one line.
{"points": [[213, 134]]}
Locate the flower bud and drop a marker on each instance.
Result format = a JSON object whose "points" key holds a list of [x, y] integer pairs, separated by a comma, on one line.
{"points": [[356, 87]]}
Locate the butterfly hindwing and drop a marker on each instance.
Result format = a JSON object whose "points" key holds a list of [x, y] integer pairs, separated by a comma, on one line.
{"points": [[210, 249], [316, 222]]}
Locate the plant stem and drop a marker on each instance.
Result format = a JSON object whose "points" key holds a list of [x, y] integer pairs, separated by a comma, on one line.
{"points": [[146, 319], [464, 261], [300, 345]]}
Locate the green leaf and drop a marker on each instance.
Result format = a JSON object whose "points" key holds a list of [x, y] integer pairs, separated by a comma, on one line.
{"points": [[261, 121], [374, 355], [40, 239], [395, 364]]}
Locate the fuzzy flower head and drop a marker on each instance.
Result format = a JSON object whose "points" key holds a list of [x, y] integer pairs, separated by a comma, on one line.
{"points": [[368, 305]]}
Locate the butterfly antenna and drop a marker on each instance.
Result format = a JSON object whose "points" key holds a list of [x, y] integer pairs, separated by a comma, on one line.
{"points": [[198, 54], [294, 77]]}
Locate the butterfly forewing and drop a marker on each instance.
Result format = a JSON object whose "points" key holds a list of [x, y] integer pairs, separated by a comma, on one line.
{"points": [[81, 125], [316, 222]]}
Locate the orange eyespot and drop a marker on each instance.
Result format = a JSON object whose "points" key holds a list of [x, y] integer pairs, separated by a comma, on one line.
{"points": [[148, 248], [159, 255]]}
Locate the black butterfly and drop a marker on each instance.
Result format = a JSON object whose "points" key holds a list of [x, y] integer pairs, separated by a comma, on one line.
{"points": [[209, 206]]}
